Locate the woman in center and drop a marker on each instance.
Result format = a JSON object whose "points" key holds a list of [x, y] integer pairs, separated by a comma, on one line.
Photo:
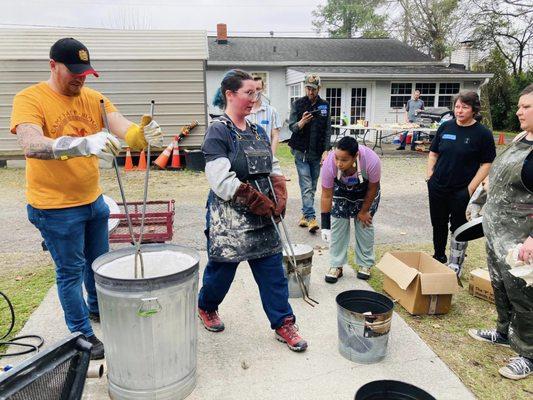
{"points": [[350, 189], [247, 191]]}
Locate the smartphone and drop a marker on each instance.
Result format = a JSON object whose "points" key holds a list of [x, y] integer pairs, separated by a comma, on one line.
{"points": [[315, 113]]}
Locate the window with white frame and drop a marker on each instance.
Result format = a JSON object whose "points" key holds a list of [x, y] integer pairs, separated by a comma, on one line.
{"points": [[400, 93], [427, 91], [446, 92], [295, 92], [264, 78]]}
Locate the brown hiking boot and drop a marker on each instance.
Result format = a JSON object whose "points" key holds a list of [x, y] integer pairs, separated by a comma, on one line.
{"points": [[333, 275], [313, 225], [304, 223]]}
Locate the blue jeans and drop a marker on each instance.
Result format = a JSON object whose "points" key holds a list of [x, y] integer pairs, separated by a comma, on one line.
{"points": [[268, 273], [416, 135], [308, 172], [75, 237]]}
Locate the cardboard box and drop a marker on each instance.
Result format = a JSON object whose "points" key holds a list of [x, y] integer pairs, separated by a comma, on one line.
{"points": [[480, 286], [421, 284]]}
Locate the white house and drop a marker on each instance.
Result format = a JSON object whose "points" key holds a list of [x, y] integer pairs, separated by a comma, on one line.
{"points": [[368, 79]]}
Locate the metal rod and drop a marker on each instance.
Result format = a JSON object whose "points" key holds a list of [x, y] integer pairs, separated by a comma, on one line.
{"points": [[289, 243], [146, 177], [287, 246], [119, 180]]}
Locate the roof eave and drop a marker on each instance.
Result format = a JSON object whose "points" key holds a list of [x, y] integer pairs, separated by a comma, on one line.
{"points": [[301, 63], [401, 76]]}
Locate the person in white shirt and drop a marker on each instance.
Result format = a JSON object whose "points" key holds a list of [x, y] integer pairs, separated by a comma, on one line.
{"points": [[265, 115]]}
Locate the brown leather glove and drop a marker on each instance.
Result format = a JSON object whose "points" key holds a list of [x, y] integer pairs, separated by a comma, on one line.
{"points": [[280, 189], [258, 203]]}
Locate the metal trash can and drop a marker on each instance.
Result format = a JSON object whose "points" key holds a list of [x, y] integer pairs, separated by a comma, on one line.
{"points": [[391, 390], [304, 260], [364, 321], [149, 324]]}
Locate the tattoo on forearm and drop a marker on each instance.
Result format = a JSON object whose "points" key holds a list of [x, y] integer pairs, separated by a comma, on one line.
{"points": [[34, 144]]}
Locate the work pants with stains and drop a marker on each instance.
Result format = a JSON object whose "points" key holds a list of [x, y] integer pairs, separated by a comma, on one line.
{"points": [[269, 276], [340, 240], [514, 305]]}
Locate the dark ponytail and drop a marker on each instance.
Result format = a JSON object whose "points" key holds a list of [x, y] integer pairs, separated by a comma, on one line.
{"points": [[232, 80]]}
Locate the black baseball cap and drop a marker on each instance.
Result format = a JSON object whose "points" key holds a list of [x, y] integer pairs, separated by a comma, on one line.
{"points": [[74, 55]]}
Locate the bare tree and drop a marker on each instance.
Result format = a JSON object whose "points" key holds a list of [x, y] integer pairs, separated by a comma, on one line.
{"points": [[432, 26], [506, 25], [128, 19]]}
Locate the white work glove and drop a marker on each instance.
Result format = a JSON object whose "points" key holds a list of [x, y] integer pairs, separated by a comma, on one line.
{"points": [[153, 134], [474, 209], [102, 145], [138, 136], [326, 235]]}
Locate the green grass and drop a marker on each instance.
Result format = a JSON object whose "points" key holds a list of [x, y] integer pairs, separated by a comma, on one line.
{"points": [[25, 288], [283, 153], [475, 363]]}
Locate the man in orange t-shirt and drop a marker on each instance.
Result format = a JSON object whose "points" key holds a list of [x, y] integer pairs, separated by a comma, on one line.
{"points": [[59, 125]]}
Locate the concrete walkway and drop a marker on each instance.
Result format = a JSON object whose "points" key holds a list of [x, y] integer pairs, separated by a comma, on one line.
{"points": [[271, 370]]}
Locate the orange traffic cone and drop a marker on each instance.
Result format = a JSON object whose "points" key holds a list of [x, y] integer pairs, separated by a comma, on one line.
{"points": [[501, 139], [176, 162], [142, 161], [128, 165], [162, 161]]}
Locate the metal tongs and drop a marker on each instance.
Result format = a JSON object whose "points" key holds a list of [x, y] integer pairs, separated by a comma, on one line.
{"points": [[136, 243], [288, 248]]}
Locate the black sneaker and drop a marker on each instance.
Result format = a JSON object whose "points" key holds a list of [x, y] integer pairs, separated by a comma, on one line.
{"points": [[400, 148], [95, 317], [442, 259], [518, 368], [97, 352], [490, 336]]}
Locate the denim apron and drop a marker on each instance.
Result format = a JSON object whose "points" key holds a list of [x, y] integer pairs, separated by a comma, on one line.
{"points": [[234, 233], [348, 199]]}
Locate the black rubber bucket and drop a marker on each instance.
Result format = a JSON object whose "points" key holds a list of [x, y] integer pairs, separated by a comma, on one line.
{"points": [[364, 321], [391, 390]]}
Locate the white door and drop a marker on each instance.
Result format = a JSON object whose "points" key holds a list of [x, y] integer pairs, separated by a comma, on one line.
{"points": [[358, 102]]}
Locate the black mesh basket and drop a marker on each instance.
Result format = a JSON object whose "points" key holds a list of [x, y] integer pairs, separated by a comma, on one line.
{"points": [[56, 373]]}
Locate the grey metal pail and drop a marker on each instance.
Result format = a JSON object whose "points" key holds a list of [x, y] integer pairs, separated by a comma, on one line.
{"points": [[304, 262], [364, 322]]}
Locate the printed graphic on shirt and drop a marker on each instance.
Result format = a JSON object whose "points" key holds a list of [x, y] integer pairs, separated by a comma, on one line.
{"points": [[73, 123], [323, 110], [449, 136]]}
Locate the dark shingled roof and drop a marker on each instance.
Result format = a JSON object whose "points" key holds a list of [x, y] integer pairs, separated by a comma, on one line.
{"points": [[295, 49], [385, 70]]}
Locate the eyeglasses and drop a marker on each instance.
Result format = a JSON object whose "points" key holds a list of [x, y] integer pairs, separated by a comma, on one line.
{"points": [[251, 94]]}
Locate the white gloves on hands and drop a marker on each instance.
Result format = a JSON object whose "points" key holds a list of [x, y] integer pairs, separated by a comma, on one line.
{"points": [[153, 134], [102, 145], [326, 235]]}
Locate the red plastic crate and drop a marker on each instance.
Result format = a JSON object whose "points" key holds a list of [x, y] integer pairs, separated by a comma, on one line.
{"points": [[158, 222]]}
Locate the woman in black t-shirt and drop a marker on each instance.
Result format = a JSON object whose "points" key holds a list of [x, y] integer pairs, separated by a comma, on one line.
{"points": [[459, 159]]}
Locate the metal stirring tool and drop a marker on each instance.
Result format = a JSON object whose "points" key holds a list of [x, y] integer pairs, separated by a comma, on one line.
{"points": [[136, 243]]}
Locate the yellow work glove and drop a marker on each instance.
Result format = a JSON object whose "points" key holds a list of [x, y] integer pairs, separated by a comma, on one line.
{"points": [[138, 136]]}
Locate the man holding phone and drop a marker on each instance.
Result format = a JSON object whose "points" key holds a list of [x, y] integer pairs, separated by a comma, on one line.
{"points": [[310, 124]]}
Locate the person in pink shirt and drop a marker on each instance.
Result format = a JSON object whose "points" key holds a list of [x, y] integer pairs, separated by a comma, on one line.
{"points": [[350, 189]]}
